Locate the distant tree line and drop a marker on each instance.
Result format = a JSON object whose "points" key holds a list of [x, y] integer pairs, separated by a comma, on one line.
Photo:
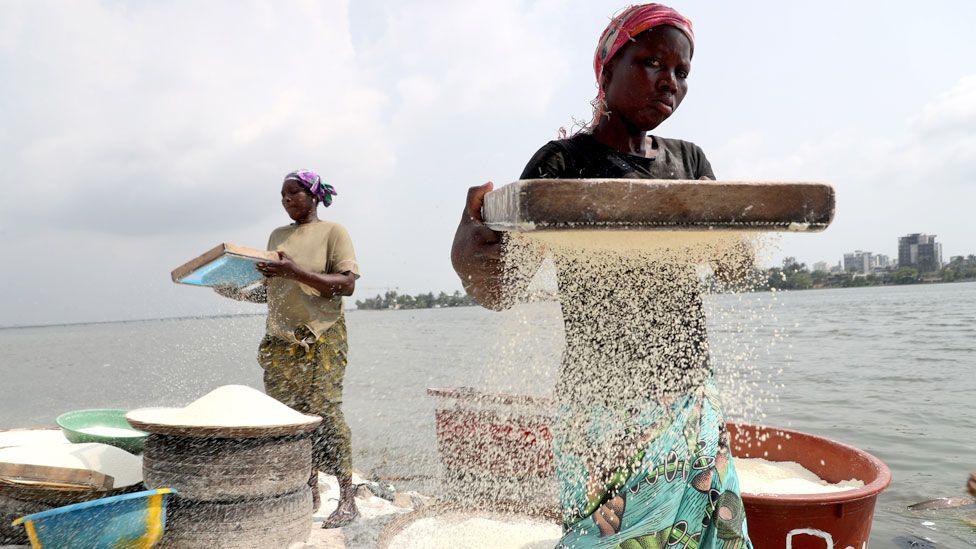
{"points": [[393, 300], [796, 276], [791, 276]]}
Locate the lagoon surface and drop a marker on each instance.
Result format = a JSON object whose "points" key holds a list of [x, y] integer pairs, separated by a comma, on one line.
{"points": [[887, 369]]}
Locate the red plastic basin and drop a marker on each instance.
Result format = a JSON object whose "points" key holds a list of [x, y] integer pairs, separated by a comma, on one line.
{"points": [[817, 521]]}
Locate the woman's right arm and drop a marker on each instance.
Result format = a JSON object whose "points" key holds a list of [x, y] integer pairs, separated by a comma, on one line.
{"points": [[477, 257], [477, 250]]}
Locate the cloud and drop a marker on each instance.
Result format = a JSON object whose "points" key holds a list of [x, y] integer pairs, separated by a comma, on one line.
{"points": [[152, 130], [951, 113], [468, 83], [508, 68], [936, 147], [919, 179], [142, 118], [137, 134]]}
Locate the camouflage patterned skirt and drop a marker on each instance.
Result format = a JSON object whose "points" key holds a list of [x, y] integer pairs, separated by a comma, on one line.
{"points": [[310, 381]]}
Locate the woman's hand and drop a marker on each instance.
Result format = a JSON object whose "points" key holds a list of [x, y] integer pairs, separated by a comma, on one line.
{"points": [[327, 285], [285, 267], [475, 245], [477, 251], [609, 516]]}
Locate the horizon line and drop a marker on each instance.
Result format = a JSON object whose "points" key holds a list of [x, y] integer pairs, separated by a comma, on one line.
{"points": [[123, 321]]}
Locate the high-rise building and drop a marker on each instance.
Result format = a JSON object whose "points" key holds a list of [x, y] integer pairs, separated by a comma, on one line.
{"points": [[820, 266], [920, 251], [908, 249], [882, 261], [858, 262], [929, 256]]}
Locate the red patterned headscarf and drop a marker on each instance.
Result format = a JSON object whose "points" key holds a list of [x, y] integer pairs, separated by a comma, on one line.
{"points": [[622, 29]]}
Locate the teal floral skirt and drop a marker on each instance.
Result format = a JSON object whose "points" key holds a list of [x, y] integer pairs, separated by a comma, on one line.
{"points": [[657, 475]]}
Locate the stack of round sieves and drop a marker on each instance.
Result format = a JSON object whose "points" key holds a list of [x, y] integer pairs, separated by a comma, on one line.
{"points": [[238, 487]]}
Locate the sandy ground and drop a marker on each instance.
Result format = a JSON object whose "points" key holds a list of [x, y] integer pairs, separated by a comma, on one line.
{"points": [[375, 513]]}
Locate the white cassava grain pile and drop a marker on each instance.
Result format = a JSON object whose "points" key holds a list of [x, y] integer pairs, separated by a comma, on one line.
{"points": [[122, 466], [484, 533], [107, 431], [23, 437], [227, 406], [760, 476]]}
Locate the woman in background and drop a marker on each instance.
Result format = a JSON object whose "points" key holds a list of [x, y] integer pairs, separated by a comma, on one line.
{"points": [[304, 350]]}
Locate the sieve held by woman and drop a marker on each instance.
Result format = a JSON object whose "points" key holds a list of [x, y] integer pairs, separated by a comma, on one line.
{"points": [[304, 351], [642, 454]]}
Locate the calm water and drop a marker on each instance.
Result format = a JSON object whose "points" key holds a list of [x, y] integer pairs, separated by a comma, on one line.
{"points": [[889, 370]]}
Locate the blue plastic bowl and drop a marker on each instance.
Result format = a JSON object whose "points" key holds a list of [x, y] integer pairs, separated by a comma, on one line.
{"points": [[129, 520]]}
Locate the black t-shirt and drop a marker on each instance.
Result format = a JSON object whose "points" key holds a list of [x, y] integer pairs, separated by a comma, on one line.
{"points": [[643, 324], [583, 157]]}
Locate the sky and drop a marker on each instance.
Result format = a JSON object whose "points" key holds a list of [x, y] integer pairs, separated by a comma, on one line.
{"points": [[136, 135]]}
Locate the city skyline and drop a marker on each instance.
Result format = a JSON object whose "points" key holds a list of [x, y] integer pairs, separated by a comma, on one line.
{"points": [[917, 250]]}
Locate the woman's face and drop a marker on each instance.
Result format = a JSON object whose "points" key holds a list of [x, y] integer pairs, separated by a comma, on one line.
{"points": [[298, 202], [647, 79]]}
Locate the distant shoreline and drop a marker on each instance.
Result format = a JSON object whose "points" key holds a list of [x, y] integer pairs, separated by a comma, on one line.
{"points": [[245, 315], [126, 321], [884, 285], [796, 276]]}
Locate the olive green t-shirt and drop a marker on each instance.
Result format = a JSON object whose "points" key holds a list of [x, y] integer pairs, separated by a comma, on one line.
{"points": [[321, 247]]}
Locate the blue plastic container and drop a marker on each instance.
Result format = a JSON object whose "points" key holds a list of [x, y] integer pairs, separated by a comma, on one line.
{"points": [[126, 521]]}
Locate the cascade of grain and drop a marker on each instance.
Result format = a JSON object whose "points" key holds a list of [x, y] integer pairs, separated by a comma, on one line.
{"points": [[634, 333]]}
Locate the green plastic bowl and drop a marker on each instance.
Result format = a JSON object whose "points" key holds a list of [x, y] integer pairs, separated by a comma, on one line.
{"points": [[72, 423]]}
